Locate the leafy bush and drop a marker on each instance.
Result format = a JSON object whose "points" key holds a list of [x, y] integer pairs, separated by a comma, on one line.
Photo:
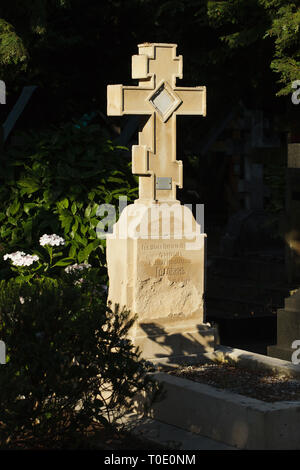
{"points": [[69, 363], [54, 183]]}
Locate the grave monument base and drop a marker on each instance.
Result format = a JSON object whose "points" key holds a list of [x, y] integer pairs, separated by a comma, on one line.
{"points": [[156, 270], [288, 328]]}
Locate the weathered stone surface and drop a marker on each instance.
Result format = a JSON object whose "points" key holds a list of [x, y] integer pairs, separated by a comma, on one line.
{"points": [[160, 279]]}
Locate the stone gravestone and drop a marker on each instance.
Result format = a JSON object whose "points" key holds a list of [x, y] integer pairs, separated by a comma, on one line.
{"points": [[288, 328], [293, 213], [288, 318], [156, 253]]}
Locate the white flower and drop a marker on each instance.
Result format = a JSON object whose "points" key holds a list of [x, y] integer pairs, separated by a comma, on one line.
{"points": [[77, 267], [14, 255], [19, 258], [52, 240], [22, 300]]}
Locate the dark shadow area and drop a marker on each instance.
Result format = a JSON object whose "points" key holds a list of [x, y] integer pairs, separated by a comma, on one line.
{"points": [[176, 344]]}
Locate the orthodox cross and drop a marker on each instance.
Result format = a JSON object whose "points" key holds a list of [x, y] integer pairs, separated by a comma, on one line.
{"points": [[154, 159]]}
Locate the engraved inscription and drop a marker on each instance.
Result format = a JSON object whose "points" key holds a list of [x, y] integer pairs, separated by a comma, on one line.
{"points": [[163, 246], [174, 266], [169, 271], [166, 260]]}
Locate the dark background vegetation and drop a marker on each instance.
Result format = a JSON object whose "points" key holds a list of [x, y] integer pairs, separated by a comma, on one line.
{"points": [[242, 50], [72, 49]]}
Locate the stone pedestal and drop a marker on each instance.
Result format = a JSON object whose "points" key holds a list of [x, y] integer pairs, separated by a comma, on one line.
{"points": [[288, 328], [156, 266]]}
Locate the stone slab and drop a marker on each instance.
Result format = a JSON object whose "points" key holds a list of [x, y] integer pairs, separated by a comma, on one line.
{"points": [[169, 436], [230, 418], [227, 417]]}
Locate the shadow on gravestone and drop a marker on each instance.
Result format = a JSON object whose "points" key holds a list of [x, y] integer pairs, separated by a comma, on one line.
{"points": [[176, 346]]}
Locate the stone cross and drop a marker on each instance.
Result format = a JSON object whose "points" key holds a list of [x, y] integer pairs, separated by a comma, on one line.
{"points": [[154, 159]]}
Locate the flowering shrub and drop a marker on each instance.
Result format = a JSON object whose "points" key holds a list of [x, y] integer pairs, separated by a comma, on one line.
{"points": [[69, 362], [20, 260], [54, 184]]}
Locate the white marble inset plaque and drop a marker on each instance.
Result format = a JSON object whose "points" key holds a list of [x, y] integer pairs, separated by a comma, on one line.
{"points": [[163, 101]]}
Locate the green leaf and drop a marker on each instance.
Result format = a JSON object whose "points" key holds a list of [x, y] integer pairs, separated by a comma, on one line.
{"points": [[79, 239], [66, 219], [75, 226], [29, 205], [89, 248], [113, 179], [81, 256], [72, 251], [64, 262], [87, 211], [84, 229], [29, 185], [74, 208], [14, 207], [94, 221]]}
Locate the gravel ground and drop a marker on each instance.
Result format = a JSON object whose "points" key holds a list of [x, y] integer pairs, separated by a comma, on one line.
{"points": [[255, 384]]}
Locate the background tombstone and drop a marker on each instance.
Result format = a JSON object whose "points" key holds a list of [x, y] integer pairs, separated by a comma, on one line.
{"points": [[288, 318], [156, 254], [293, 213], [288, 328]]}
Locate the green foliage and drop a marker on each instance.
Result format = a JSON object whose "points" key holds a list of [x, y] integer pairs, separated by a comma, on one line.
{"points": [[286, 32], [12, 50], [69, 363], [274, 176], [55, 183], [247, 22]]}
